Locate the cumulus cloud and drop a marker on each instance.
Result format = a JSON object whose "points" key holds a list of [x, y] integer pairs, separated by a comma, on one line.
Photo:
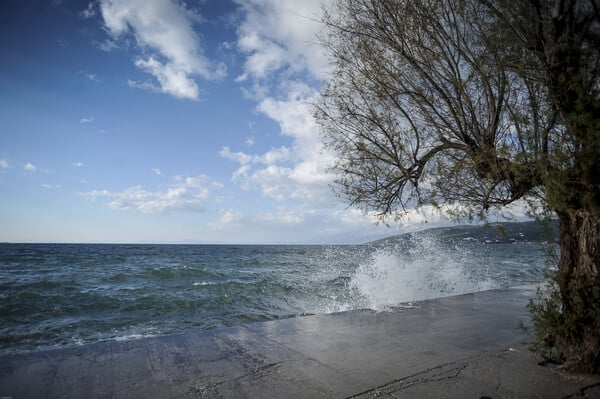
{"points": [[172, 78], [30, 168], [298, 172], [187, 194], [280, 35], [86, 119], [157, 171], [171, 49], [278, 39], [3, 165], [89, 12]]}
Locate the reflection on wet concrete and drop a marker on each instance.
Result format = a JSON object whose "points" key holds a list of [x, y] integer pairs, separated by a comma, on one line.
{"points": [[466, 343]]}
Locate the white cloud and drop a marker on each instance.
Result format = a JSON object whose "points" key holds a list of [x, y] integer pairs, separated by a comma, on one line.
{"points": [[230, 217], [3, 165], [280, 34], [144, 86], [51, 186], [298, 173], [239, 157], [195, 182], [231, 220], [77, 164], [93, 77], [157, 171], [270, 157], [89, 12], [29, 168], [293, 218], [188, 194], [413, 217], [86, 119], [267, 171], [266, 57], [107, 45], [278, 38], [172, 79], [295, 225], [164, 30]]}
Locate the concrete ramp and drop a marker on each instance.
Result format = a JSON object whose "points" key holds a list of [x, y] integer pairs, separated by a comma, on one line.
{"points": [[466, 346]]}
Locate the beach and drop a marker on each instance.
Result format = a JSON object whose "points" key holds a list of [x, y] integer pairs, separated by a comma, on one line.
{"points": [[454, 347]]}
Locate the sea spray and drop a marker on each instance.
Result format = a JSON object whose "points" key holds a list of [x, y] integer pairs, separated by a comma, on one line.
{"points": [[418, 268]]}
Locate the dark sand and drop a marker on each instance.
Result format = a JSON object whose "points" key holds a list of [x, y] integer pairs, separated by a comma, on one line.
{"points": [[465, 346]]}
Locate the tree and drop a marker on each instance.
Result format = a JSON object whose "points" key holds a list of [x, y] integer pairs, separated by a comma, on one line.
{"points": [[479, 103]]}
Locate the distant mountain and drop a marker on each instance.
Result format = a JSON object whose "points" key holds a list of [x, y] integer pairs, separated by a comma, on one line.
{"points": [[506, 232]]}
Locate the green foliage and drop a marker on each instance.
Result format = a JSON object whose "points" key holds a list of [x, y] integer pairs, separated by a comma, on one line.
{"points": [[557, 334], [546, 317], [566, 313]]}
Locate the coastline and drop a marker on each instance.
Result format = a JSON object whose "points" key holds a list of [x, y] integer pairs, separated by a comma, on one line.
{"points": [[459, 346]]}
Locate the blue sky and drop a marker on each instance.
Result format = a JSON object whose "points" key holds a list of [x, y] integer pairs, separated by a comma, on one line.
{"points": [[166, 121]]}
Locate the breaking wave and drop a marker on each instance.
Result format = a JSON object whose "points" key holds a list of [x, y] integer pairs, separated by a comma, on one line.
{"points": [[426, 268]]}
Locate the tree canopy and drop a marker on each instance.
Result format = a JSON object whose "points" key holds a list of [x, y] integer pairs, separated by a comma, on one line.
{"points": [[446, 101]]}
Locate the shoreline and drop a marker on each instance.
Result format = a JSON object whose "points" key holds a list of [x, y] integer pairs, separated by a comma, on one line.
{"points": [[457, 346], [133, 337]]}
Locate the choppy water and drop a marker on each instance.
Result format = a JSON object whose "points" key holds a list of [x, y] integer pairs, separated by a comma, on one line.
{"points": [[55, 295]]}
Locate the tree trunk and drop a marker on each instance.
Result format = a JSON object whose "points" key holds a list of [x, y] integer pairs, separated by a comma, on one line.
{"points": [[577, 336]]}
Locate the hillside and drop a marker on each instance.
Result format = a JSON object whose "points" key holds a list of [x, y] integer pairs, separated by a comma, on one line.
{"points": [[506, 232]]}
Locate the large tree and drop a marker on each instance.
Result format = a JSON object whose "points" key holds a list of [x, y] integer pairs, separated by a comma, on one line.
{"points": [[476, 104]]}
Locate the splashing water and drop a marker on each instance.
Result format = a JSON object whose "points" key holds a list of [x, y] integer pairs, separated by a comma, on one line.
{"points": [[426, 268]]}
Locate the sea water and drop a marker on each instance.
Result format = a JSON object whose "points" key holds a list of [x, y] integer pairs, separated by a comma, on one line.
{"points": [[58, 295]]}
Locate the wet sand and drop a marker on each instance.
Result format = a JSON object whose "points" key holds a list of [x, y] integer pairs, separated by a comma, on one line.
{"points": [[466, 346]]}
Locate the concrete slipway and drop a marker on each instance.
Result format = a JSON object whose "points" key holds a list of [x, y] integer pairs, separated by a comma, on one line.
{"points": [[465, 346]]}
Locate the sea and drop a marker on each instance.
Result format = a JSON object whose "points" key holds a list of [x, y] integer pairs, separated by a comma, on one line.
{"points": [[61, 295]]}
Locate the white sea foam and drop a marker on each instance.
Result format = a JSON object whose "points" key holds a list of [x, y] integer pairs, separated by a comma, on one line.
{"points": [[133, 336], [202, 283], [424, 269]]}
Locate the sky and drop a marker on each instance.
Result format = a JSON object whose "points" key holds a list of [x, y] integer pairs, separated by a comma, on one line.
{"points": [[163, 121]]}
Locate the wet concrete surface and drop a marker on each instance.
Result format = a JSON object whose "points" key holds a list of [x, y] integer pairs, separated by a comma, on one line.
{"points": [[466, 346]]}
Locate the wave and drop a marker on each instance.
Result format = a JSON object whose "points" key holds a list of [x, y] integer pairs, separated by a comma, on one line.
{"points": [[427, 268]]}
